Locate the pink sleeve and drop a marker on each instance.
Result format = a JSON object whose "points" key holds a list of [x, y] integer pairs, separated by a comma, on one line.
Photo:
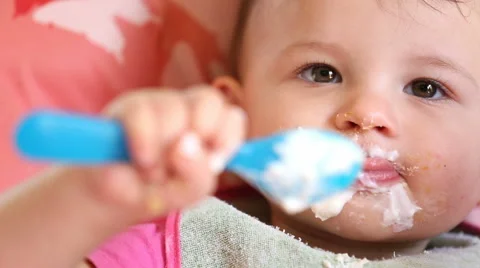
{"points": [[154, 245]]}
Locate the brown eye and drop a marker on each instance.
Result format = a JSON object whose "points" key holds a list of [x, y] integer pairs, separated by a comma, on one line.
{"points": [[320, 73], [426, 89]]}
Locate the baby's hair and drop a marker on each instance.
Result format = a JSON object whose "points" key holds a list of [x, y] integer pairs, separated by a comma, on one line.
{"points": [[428, 3], [236, 45], [243, 16]]}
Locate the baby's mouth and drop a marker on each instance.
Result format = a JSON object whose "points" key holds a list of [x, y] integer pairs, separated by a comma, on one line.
{"points": [[381, 170], [384, 175], [378, 172]]}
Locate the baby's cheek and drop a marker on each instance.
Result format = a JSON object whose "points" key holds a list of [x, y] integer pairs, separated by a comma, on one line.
{"points": [[426, 179], [442, 187], [434, 203]]}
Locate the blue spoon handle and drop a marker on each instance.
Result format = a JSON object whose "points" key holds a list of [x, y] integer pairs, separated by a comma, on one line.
{"points": [[79, 139], [71, 138]]}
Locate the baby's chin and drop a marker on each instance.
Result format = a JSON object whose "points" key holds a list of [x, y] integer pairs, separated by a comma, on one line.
{"points": [[367, 217]]}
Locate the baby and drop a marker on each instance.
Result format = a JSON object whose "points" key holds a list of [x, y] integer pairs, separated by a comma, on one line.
{"points": [[401, 78]]}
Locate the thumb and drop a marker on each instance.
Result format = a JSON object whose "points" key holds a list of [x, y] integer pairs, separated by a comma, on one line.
{"points": [[192, 177]]}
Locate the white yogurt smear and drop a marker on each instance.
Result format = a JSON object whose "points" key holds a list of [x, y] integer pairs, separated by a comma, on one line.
{"points": [[399, 210], [332, 206], [399, 213], [376, 151], [304, 158]]}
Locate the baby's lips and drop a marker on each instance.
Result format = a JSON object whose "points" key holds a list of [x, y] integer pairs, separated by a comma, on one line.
{"points": [[377, 171], [377, 164]]}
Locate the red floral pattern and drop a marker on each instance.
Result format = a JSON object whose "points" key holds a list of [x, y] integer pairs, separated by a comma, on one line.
{"points": [[23, 7], [47, 64]]}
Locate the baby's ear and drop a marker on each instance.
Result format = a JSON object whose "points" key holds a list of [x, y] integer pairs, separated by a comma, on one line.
{"points": [[231, 88]]}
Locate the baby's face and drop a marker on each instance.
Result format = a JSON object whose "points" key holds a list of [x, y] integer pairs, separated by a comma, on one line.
{"points": [[397, 75]]}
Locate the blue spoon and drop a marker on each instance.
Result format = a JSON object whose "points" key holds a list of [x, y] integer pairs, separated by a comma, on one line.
{"points": [[295, 168]]}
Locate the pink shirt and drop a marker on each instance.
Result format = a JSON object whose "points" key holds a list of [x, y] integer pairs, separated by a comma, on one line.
{"points": [[154, 245]]}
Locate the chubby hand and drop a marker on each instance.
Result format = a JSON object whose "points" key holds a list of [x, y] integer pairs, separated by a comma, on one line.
{"points": [[179, 142]]}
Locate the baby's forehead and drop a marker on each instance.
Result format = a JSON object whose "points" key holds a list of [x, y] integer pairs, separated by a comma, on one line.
{"points": [[404, 9], [441, 17], [464, 8], [369, 29]]}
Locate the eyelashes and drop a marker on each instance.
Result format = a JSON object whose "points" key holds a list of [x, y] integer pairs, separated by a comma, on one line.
{"points": [[424, 88]]}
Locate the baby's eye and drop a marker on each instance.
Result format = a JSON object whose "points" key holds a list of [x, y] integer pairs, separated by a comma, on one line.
{"points": [[320, 73], [425, 89]]}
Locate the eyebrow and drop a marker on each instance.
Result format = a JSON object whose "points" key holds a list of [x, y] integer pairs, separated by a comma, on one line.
{"points": [[445, 63], [332, 48]]}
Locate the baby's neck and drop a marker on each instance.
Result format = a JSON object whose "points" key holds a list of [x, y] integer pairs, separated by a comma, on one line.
{"points": [[336, 244]]}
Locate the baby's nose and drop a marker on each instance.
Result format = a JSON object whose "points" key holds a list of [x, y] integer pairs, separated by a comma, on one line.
{"points": [[367, 113]]}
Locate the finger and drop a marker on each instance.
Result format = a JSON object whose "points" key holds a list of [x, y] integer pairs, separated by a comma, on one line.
{"points": [[152, 120], [117, 186], [230, 135], [135, 200], [122, 187], [121, 184], [192, 179], [117, 107], [139, 122], [206, 106]]}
